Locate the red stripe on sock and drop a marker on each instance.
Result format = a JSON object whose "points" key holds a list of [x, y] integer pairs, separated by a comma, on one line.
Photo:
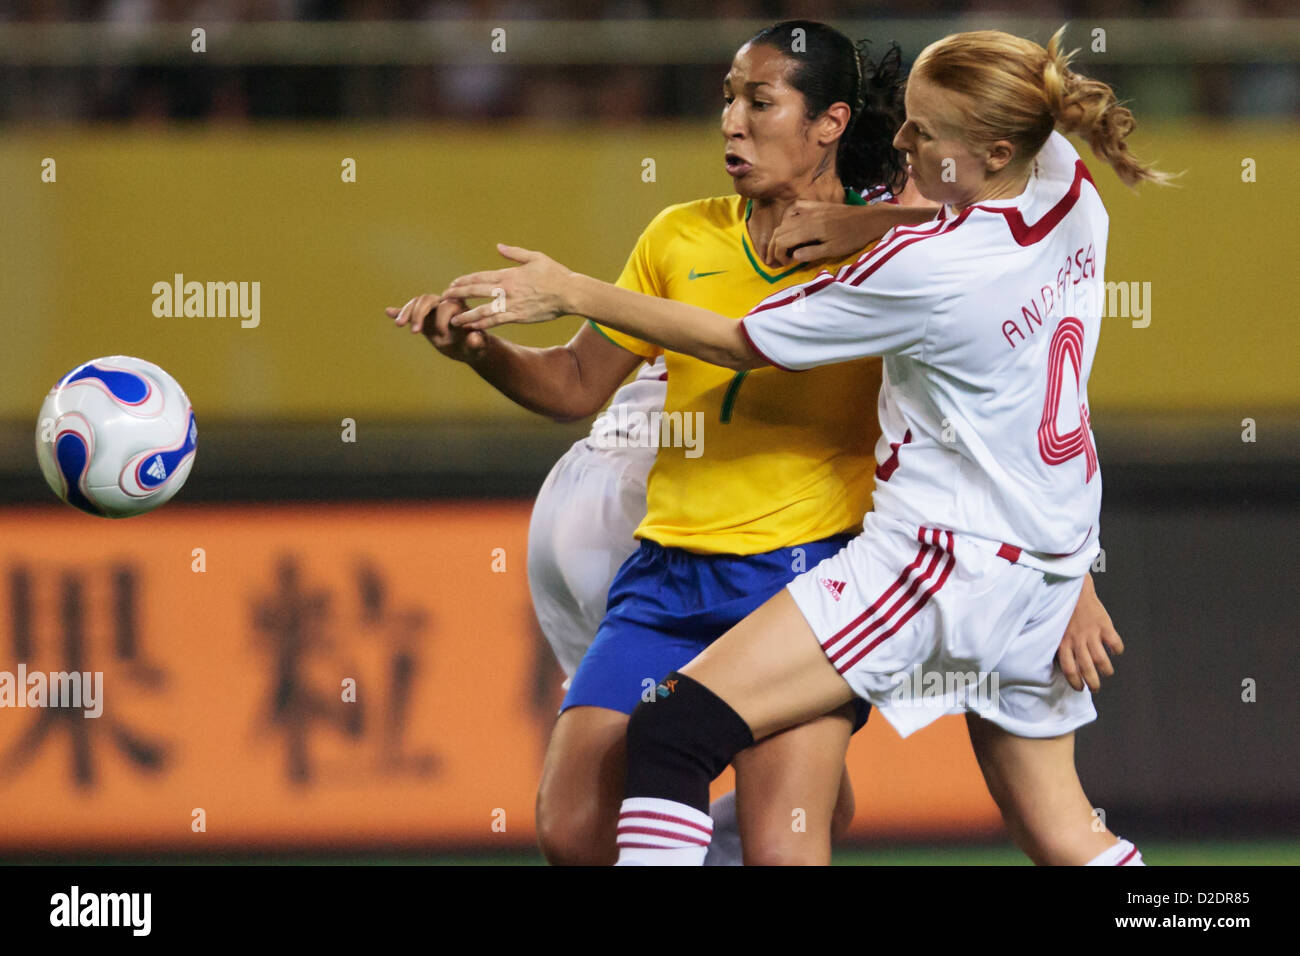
{"points": [[666, 817], [651, 831]]}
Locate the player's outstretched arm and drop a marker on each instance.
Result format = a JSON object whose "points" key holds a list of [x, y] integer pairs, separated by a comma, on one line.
{"points": [[541, 289], [1088, 636], [565, 383], [810, 231]]}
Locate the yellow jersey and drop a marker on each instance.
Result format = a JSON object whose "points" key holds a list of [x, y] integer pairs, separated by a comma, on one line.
{"points": [[777, 458]]}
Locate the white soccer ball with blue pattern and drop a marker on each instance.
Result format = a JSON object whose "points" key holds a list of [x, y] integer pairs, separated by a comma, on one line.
{"points": [[116, 437]]}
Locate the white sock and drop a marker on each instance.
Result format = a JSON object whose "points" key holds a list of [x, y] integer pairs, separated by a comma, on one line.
{"points": [[1122, 853], [655, 832], [725, 848]]}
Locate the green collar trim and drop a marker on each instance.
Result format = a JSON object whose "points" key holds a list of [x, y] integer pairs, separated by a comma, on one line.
{"points": [[744, 241], [851, 198]]}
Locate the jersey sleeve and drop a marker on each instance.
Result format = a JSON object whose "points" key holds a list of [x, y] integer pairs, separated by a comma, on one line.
{"points": [[879, 305], [641, 274]]}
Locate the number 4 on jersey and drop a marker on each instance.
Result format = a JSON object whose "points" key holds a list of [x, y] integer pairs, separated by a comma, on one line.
{"points": [[1056, 449]]}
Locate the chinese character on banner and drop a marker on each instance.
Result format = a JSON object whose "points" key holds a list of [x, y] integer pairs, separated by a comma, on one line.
{"points": [[317, 641], [49, 634]]}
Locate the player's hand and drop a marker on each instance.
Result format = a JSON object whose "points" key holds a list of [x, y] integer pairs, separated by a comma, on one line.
{"points": [[826, 230], [432, 315], [531, 292], [1088, 636]]}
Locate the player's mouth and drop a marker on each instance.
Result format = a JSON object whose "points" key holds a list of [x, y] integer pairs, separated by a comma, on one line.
{"points": [[736, 166]]}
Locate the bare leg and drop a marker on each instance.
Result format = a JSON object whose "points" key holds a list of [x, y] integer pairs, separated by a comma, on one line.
{"points": [[771, 670], [581, 790], [788, 788], [1035, 785], [582, 786]]}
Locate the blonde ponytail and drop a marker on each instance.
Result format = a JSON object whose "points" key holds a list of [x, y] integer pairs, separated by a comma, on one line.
{"points": [[1088, 107], [1020, 92]]}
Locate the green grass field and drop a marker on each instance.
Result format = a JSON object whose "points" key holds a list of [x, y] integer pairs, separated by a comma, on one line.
{"points": [[1226, 853], [1156, 853], [1204, 853], [1263, 853]]}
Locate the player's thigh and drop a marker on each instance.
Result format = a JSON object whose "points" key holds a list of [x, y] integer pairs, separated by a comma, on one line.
{"points": [[582, 785], [771, 670], [787, 787], [1036, 786]]}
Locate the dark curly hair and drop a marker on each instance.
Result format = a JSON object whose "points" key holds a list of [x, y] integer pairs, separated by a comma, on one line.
{"points": [[831, 68]]}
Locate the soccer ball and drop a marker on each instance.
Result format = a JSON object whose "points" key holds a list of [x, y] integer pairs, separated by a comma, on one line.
{"points": [[116, 436]]}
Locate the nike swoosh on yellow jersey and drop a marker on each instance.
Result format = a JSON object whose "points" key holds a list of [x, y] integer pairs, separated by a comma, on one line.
{"points": [[700, 275]]}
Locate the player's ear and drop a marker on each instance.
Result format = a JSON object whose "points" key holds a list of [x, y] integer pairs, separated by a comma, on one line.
{"points": [[834, 122], [1000, 154]]}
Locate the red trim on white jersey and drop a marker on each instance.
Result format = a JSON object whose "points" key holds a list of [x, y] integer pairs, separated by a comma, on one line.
{"points": [[1027, 235], [816, 285], [885, 470], [889, 246], [909, 237], [761, 354]]}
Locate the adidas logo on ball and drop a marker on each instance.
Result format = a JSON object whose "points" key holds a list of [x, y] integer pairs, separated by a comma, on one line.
{"points": [[116, 437]]}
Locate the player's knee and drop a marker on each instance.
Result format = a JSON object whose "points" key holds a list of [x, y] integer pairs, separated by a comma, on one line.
{"points": [[575, 832], [651, 730], [679, 742]]}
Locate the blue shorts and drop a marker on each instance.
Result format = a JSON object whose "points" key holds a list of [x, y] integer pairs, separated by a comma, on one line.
{"points": [[667, 604]]}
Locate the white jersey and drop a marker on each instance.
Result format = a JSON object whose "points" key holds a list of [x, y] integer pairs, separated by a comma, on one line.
{"points": [[988, 323], [625, 423]]}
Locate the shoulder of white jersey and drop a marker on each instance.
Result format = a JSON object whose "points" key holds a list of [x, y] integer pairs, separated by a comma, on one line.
{"points": [[1055, 162], [1060, 168], [904, 260], [905, 254], [1034, 217]]}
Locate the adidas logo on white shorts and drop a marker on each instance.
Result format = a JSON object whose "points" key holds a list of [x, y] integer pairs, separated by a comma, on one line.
{"points": [[835, 587]]}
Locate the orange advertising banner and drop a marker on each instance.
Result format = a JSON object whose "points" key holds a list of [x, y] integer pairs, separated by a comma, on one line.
{"points": [[324, 676]]}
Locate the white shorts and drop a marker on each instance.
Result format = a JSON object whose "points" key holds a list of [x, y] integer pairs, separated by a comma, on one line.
{"points": [[923, 622], [579, 536]]}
